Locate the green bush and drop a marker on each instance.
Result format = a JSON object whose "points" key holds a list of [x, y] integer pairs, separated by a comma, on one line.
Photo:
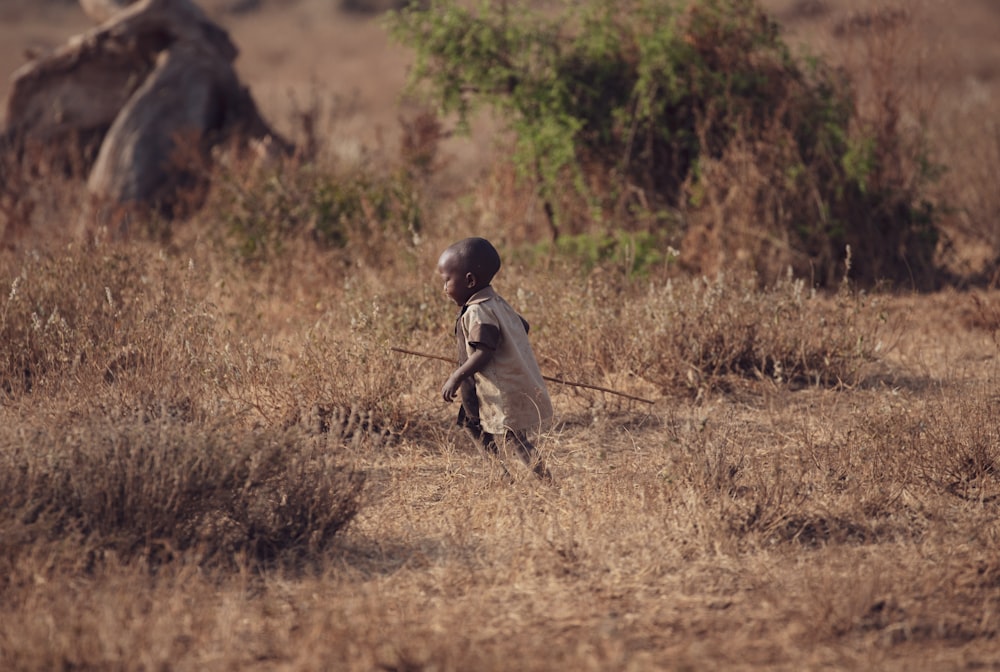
{"points": [[623, 111], [634, 254]]}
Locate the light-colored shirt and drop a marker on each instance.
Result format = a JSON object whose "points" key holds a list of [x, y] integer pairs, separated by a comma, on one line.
{"points": [[511, 390]]}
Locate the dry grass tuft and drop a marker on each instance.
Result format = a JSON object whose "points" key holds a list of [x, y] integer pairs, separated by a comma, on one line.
{"points": [[699, 335]]}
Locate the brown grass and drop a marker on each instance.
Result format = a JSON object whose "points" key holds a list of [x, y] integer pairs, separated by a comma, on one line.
{"points": [[212, 461], [166, 507]]}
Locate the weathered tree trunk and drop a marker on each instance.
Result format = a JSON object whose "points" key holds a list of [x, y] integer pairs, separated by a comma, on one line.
{"points": [[178, 106], [76, 92], [102, 10], [153, 85]]}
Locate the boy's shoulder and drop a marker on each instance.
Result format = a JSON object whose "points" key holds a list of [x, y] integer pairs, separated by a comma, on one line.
{"points": [[489, 299], [490, 307], [485, 294]]}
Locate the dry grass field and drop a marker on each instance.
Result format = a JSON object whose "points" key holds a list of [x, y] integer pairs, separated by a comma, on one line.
{"points": [[210, 459]]}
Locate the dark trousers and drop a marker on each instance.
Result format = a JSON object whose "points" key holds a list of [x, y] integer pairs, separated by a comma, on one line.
{"points": [[510, 441]]}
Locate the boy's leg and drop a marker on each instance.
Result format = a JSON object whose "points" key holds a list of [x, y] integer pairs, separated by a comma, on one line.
{"points": [[528, 454], [485, 441]]}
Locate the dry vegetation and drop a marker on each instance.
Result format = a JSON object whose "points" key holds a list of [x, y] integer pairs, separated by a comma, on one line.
{"points": [[210, 458]]}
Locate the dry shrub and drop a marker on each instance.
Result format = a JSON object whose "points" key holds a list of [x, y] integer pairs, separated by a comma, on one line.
{"points": [[785, 334], [797, 192], [344, 377], [704, 334], [279, 218], [895, 607], [147, 333], [49, 331], [979, 311], [307, 344], [15, 209], [159, 487], [742, 222], [952, 447], [350, 388], [265, 210], [420, 143], [809, 492], [37, 188], [506, 207], [970, 141], [900, 163]]}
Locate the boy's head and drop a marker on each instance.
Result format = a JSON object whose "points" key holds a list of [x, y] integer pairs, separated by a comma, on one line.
{"points": [[467, 267]]}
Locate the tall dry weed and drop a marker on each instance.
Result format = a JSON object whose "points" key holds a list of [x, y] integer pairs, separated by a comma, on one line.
{"points": [[38, 187], [105, 318]]}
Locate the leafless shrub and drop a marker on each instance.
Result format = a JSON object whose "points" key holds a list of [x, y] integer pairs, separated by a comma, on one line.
{"points": [[162, 487], [704, 334]]}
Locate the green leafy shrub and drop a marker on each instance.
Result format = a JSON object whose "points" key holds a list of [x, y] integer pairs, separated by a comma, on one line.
{"points": [[635, 253], [623, 111]]}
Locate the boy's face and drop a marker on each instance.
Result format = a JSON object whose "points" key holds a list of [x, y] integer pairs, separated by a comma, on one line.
{"points": [[459, 284]]}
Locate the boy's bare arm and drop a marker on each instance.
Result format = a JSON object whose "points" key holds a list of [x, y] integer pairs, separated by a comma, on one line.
{"points": [[476, 362]]}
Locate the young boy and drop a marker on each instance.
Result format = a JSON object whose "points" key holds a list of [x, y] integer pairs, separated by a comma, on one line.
{"points": [[502, 389]]}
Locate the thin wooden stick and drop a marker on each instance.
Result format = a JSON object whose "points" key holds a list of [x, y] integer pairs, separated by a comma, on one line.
{"points": [[560, 381]]}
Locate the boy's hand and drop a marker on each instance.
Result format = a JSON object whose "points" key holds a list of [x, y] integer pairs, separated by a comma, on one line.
{"points": [[450, 389], [474, 364]]}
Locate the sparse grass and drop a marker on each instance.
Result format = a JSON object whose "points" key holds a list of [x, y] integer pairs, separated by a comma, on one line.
{"points": [[211, 461]]}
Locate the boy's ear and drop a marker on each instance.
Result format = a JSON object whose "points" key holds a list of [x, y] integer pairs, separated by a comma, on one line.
{"points": [[470, 280]]}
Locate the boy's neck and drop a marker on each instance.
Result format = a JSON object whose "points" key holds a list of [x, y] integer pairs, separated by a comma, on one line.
{"points": [[478, 291]]}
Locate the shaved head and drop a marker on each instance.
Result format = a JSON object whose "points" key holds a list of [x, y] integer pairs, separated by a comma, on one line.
{"points": [[473, 255]]}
